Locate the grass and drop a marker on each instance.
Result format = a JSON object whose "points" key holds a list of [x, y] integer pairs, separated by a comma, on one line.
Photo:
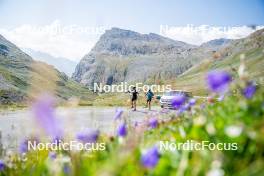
{"points": [[194, 79], [29, 78], [123, 156]]}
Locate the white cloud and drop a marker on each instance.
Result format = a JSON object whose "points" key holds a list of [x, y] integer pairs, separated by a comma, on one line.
{"points": [[199, 34], [72, 42]]}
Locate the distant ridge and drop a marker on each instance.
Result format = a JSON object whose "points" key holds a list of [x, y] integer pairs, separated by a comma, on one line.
{"points": [[62, 64]]}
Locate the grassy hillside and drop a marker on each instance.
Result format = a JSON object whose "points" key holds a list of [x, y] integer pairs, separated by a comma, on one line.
{"points": [[194, 79], [22, 78]]}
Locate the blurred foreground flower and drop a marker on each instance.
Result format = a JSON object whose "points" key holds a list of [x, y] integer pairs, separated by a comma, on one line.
{"points": [[88, 136], [233, 130], [122, 130], [218, 81], [44, 112], [221, 98], [52, 155], [66, 169], [178, 100], [118, 113], [2, 165], [185, 107], [192, 101], [249, 90], [23, 147], [150, 158], [153, 122]]}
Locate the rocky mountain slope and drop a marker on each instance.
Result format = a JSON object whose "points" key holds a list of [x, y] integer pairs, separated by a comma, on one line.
{"points": [[62, 64], [124, 55], [228, 58], [22, 78]]}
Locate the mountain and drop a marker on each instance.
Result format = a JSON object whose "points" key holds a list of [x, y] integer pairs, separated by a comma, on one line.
{"points": [[62, 64], [229, 58], [122, 42], [217, 43], [22, 78], [124, 55]]}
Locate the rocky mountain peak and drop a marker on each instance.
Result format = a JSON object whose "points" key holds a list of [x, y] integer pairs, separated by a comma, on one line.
{"points": [[123, 42]]}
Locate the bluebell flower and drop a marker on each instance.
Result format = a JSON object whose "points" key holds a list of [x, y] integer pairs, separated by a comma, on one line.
{"points": [[66, 169], [192, 101], [44, 112], [2, 165], [52, 155], [122, 130], [202, 106], [153, 122], [150, 158], [221, 97], [249, 90], [185, 107], [218, 81], [88, 135], [178, 100], [118, 113], [24, 145]]}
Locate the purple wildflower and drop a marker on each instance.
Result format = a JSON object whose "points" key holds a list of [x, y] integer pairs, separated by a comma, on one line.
{"points": [[23, 147], [221, 98], [57, 140], [153, 122], [185, 107], [179, 112], [66, 169], [2, 165], [122, 130], [118, 113], [43, 110], [178, 100], [52, 155], [218, 81], [249, 91], [88, 136], [150, 158], [192, 101], [202, 106]]}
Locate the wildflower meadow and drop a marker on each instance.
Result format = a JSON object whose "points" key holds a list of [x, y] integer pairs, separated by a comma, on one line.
{"points": [[232, 114]]}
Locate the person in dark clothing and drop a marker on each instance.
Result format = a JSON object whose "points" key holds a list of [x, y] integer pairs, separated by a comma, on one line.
{"points": [[149, 96], [134, 96]]}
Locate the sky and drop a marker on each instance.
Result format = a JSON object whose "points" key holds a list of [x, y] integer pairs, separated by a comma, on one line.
{"points": [[70, 28]]}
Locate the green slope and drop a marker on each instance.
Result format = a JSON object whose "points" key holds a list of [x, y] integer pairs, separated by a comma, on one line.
{"points": [[22, 78], [229, 59], [194, 79]]}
